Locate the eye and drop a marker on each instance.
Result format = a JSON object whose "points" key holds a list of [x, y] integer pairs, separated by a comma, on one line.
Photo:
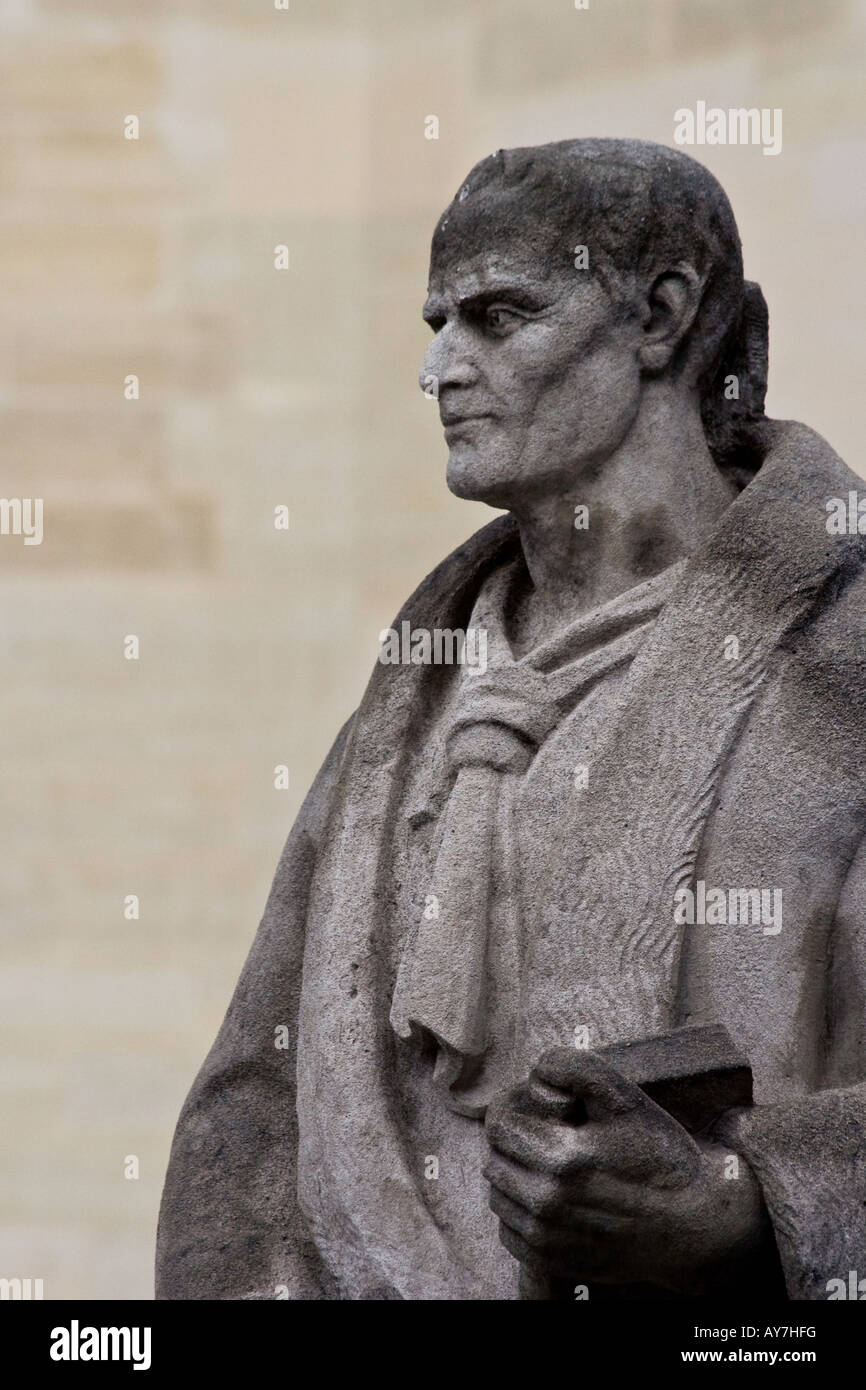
{"points": [[500, 319]]}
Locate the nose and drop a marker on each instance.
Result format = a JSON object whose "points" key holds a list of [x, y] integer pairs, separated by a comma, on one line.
{"points": [[448, 362]]}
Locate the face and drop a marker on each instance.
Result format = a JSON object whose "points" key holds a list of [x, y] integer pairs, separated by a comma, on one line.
{"points": [[536, 372]]}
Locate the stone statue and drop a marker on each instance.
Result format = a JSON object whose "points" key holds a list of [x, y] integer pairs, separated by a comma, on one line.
{"points": [[608, 785]]}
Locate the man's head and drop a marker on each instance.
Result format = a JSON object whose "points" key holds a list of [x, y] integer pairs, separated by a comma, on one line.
{"points": [[563, 280]]}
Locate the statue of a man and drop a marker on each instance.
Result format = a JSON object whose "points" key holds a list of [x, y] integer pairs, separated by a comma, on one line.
{"points": [[643, 809]]}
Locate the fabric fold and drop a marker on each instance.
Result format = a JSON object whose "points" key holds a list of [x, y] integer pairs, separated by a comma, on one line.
{"points": [[810, 1160], [460, 962], [340, 1206]]}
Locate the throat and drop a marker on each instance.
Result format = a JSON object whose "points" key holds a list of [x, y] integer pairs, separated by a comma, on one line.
{"points": [[580, 555]]}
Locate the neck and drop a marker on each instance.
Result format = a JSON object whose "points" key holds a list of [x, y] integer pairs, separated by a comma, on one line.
{"points": [[650, 503]]}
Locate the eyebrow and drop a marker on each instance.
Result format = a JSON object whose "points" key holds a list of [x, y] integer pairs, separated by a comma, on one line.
{"points": [[515, 293]]}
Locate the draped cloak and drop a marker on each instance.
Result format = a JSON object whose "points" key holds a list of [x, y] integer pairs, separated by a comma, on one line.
{"points": [[488, 862]]}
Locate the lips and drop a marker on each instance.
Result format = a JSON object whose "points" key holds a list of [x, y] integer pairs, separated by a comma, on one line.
{"points": [[449, 420]]}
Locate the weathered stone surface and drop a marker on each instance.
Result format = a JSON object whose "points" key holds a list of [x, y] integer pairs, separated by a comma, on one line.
{"points": [[637, 804]]}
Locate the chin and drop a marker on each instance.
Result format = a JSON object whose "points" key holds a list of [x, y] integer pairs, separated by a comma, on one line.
{"points": [[469, 479]]}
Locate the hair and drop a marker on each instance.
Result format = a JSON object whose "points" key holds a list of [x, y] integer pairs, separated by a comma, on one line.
{"points": [[640, 208]]}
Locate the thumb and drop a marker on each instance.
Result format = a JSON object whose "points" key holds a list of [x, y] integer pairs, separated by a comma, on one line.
{"points": [[578, 1075], [663, 1150]]}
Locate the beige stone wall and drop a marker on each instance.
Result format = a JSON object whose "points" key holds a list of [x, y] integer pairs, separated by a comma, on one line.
{"points": [[257, 388]]}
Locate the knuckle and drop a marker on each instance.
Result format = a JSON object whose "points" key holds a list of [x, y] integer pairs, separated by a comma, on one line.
{"points": [[495, 1201], [535, 1233], [497, 1130], [569, 1159], [548, 1199], [512, 1242]]}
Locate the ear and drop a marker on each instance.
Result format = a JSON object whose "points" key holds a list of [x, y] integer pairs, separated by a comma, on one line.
{"points": [[669, 312]]}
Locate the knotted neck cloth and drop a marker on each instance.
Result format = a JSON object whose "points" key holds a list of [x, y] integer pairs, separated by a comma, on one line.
{"points": [[458, 980]]}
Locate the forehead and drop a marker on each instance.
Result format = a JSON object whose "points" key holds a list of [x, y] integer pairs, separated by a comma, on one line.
{"points": [[498, 233], [471, 272]]}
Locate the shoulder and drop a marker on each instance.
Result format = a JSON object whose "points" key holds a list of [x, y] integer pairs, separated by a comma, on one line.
{"points": [[457, 576], [829, 651]]}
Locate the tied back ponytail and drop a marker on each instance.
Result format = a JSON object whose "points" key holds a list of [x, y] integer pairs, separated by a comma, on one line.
{"points": [[733, 393]]}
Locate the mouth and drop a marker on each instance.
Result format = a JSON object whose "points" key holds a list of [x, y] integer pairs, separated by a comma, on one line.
{"points": [[456, 422]]}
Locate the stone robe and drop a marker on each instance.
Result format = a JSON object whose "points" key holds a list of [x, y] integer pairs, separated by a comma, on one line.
{"points": [[738, 764]]}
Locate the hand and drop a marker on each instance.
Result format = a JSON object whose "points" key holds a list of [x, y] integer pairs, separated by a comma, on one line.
{"points": [[626, 1196]]}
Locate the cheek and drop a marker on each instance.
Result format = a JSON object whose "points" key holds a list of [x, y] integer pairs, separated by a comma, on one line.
{"points": [[605, 394], [587, 406], [577, 378]]}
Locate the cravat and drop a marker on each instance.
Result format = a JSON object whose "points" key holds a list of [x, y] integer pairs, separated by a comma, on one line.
{"points": [[456, 974]]}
